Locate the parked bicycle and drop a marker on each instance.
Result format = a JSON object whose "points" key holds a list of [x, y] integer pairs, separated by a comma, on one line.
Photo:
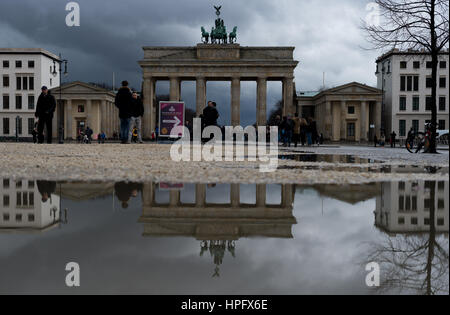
{"points": [[419, 142]]}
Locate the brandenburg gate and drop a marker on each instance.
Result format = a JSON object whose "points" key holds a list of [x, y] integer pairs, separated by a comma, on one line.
{"points": [[218, 61]]}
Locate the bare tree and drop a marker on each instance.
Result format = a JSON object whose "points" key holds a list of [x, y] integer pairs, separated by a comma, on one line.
{"points": [[414, 25]]}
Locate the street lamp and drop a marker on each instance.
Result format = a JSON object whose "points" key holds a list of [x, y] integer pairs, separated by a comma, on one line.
{"points": [[61, 118], [383, 105]]}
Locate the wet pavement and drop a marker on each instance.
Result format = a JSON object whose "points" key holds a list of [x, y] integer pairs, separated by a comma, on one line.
{"points": [[175, 238]]}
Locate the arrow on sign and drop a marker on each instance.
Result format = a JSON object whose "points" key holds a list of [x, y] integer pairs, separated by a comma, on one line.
{"points": [[175, 122]]}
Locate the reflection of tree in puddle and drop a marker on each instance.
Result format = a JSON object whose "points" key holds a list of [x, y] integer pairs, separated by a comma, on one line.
{"points": [[415, 262], [217, 250]]}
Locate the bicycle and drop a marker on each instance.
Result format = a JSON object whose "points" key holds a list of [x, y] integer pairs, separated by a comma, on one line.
{"points": [[419, 142]]}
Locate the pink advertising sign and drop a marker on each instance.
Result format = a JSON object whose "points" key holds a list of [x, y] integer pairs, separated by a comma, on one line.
{"points": [[171, 115]]}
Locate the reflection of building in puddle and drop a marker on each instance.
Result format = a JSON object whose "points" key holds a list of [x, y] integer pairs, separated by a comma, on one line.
{"points": [[217, 226], [404, 207], [351, 194], [28, 206], [80, 191]]}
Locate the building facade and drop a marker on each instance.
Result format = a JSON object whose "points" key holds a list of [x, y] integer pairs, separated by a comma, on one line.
{"points": [[405, 79], [22, 73], [349, 112], [85, 105]]}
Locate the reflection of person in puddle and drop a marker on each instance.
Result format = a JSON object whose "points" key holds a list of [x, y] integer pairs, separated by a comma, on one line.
{"points": [[125, 191], [46, 188]]}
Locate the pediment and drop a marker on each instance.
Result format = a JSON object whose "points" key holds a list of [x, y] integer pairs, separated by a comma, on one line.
{"points": [[78, 87], [353, 88]]}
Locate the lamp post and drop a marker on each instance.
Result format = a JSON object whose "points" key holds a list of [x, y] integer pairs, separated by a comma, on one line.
{"points": [[60, 112]]}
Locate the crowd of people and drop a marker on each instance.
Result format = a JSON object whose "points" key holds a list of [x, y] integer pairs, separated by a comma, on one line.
{"points": [[296, 130]]}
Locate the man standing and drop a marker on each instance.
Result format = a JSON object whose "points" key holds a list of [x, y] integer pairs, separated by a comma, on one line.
{"points": [[137, 111], [393, 139], [45, 108], [123, 103], [210, 114]]}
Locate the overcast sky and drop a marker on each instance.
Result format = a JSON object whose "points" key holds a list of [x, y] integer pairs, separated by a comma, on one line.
{"points": [[325, 33]]}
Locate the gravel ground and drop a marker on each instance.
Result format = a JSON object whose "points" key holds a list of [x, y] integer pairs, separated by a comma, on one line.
{"points": [[152, 162]]}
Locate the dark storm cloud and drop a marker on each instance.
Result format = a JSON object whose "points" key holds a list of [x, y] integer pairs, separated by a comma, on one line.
{"points": [[112, 33]]}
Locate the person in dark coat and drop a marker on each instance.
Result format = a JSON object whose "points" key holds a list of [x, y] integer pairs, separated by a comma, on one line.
{"points": [[46, 106], [124, 191], [136, 111], [46, 189], [210, 114], [123, 103]]}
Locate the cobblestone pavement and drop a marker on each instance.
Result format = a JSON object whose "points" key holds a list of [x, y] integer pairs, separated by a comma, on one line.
{"points": [[152, 162]]}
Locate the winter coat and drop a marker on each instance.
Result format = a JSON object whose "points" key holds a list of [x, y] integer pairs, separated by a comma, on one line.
{"points": [[210, 115], [46, 106], [137, 107], [123, 102]]}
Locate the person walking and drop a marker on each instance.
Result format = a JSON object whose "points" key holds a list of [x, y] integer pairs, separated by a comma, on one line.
{"points": [[393, 139], [297, 128], [375, 140], [123, 103], [136, 111], [303, 130], [46, 106]]}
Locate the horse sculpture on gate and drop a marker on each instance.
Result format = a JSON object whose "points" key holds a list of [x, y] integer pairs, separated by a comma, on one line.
{"points": [[219, 33]]}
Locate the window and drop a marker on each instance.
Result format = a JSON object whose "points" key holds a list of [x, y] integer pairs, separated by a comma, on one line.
{"points": [[18, 199], [440, 221], [416, 64], [30, 101], [442, 103], [414, 203], [442, 82], [18, 64], [429, 65], [350, 130], [402, 83], [429, 83], [19, 125], [401, 186], [18, 83], [441, 185], [81, 108], [351, 110], [25, 83], [5, 101], [441, 204], [5, 183], [403, 64], [18, 101], [401, 203], [402, 103], [30, 63], [415, 125], [414, 221], [30, 184], [31, 218], [402, 127], [30, 126], [441, 124], [428, 102], [443, 64], [31, 83], [416, 83], [6, 217], [426, 221], [5, 200], [401, 221], [18, 218], [409, 83], [5, 63], [6, 126], [416, 103], [5, 81]]}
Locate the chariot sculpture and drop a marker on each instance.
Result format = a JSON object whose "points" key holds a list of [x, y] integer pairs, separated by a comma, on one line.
{"points": [[219, 33]]}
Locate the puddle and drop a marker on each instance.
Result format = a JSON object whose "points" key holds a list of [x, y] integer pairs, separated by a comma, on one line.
{"points": [[175, 238], [327, 158]]}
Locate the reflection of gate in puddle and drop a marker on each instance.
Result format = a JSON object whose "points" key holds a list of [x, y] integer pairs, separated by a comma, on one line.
{"points": [[218, 226]]}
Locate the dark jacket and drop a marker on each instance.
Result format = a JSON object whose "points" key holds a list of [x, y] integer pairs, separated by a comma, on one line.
{"points": [[46, 106], [137, 107], [210, 115], [123, 102]]}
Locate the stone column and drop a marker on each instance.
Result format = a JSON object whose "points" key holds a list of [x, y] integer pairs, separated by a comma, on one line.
{"points": [[69, 121], [235, 101], [328, 120], [261, 100], [363, 126], [200, 95], [261, 195], [103, 113], [378, 119], [89, 114], [174, 197], [148, 195], [148, 123], [200, 195], [175, 87], [286, 195], [235, 195], [288, 96], [343, 120]]}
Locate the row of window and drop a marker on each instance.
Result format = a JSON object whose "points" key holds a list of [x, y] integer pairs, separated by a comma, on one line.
{"points": [[411, 83], [416, 103], [22, 82], [415, 185], [7, 130], [19, 102], [18, 64], [19, 183], [416, 64], [415, 126], [409, 203], [426, 221], [23, 200], [19, 217]]}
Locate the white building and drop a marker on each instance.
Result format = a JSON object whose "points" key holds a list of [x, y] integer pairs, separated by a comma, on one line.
{"points": [[405, 78], [404, 207], [22, 73], [22, 208]]}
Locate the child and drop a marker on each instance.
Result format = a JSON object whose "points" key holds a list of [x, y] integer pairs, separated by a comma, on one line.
{"points": [[35, 132]]}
